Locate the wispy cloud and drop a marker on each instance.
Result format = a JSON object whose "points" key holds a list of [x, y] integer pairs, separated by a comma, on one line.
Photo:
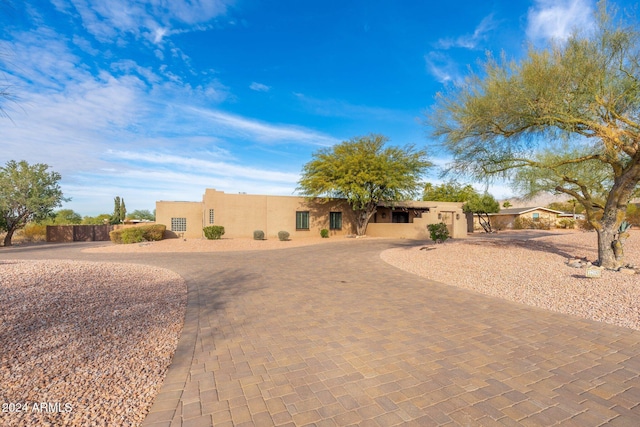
{"points": [[442, 67], [259, 87], [556, 19], [107, 20], [135, 130], [470, 41], [233, 125], [208, 167], [341, 108]]}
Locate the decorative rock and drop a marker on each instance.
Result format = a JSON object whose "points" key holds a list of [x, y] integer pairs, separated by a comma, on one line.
{"points": [[627, 271], [595, 272]]}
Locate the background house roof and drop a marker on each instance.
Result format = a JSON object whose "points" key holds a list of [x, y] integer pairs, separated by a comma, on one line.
{"points": [[520, 211]]}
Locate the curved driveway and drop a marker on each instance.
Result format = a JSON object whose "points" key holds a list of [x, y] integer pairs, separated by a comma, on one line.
{"points": [[331, 335]]}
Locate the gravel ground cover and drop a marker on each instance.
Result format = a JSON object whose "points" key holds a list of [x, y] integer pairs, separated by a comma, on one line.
{"points": [[533, 272], [85, 343]]}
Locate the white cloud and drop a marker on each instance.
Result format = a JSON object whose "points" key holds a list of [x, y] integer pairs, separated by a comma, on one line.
{"points": [[238, 126], [211, 168], [556, 19], [470, 41], [442, 67], [151, 19], [259, 87]]}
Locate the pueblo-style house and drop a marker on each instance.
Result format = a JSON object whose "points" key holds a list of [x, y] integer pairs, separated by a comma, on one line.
{"points": [[242, 214]]}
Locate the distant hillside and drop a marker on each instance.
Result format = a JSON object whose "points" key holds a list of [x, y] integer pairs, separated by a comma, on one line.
{"points": [[542, 199]]}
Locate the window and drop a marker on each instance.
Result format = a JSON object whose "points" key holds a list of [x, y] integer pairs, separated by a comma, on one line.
{"points": [[335, 220], [211, 216], [178, 224], [302, 220], [536, 216]]}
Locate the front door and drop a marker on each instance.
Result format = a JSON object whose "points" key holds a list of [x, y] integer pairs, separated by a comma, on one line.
{"points": [[400, 217]]}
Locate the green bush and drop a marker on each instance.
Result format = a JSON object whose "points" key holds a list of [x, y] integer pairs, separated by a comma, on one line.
{"points": [[324, 233], [258, 235], [132, 235], [283, 236], [567, 223], [438, 232], [213, 232], [145, 233]]}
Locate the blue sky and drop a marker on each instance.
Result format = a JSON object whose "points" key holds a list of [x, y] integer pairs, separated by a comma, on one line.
{"points": [[158, 100]]}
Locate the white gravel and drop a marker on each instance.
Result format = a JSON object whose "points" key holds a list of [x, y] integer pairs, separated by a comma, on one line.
{"points": [[90, 341], [532, 272]]}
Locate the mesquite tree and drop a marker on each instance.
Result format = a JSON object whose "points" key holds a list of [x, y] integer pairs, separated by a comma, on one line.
{"points": [[27, 193], [365, 173]]}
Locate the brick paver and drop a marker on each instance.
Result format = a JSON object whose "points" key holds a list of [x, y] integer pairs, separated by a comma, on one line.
{"points": [[331, 335]]}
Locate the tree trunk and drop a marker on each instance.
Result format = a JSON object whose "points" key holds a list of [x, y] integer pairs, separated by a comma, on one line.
{"points": [[362, 220], [7, 238], [485, 223], [606, 254]]}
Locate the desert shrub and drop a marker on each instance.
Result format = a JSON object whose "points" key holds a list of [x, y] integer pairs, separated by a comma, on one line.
{"points": [[33, 232], [283, 236], [132, 235], [213, 232], [521, 223], [567, 223], [584, 225], [154, 232], [145, 233], [324, 233], [524, 223], [438, 232], [633, 214], [116, 236], [500, 223], [258, 235]]}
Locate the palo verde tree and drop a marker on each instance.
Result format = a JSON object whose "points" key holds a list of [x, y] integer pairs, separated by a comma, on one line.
{"points": [[27, 193], [565, 118], [365, 173]]}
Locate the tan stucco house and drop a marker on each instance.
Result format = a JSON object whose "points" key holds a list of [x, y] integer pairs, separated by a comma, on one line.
{"points": [[506, 217], [242, 214]]}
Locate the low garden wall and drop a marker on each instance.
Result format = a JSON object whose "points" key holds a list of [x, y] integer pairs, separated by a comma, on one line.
{"points": [[78, 233]]}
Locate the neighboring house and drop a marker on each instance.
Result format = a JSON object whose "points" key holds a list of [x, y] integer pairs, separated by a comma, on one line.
{"points": [[242, 214], [570, 215], [506, 217]]}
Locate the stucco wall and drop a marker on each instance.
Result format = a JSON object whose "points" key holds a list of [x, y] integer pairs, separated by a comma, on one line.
{"points": [[242, 214], [191, 211]]}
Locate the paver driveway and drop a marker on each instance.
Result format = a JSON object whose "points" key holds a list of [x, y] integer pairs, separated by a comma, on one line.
{"points": [[331, 335]]}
